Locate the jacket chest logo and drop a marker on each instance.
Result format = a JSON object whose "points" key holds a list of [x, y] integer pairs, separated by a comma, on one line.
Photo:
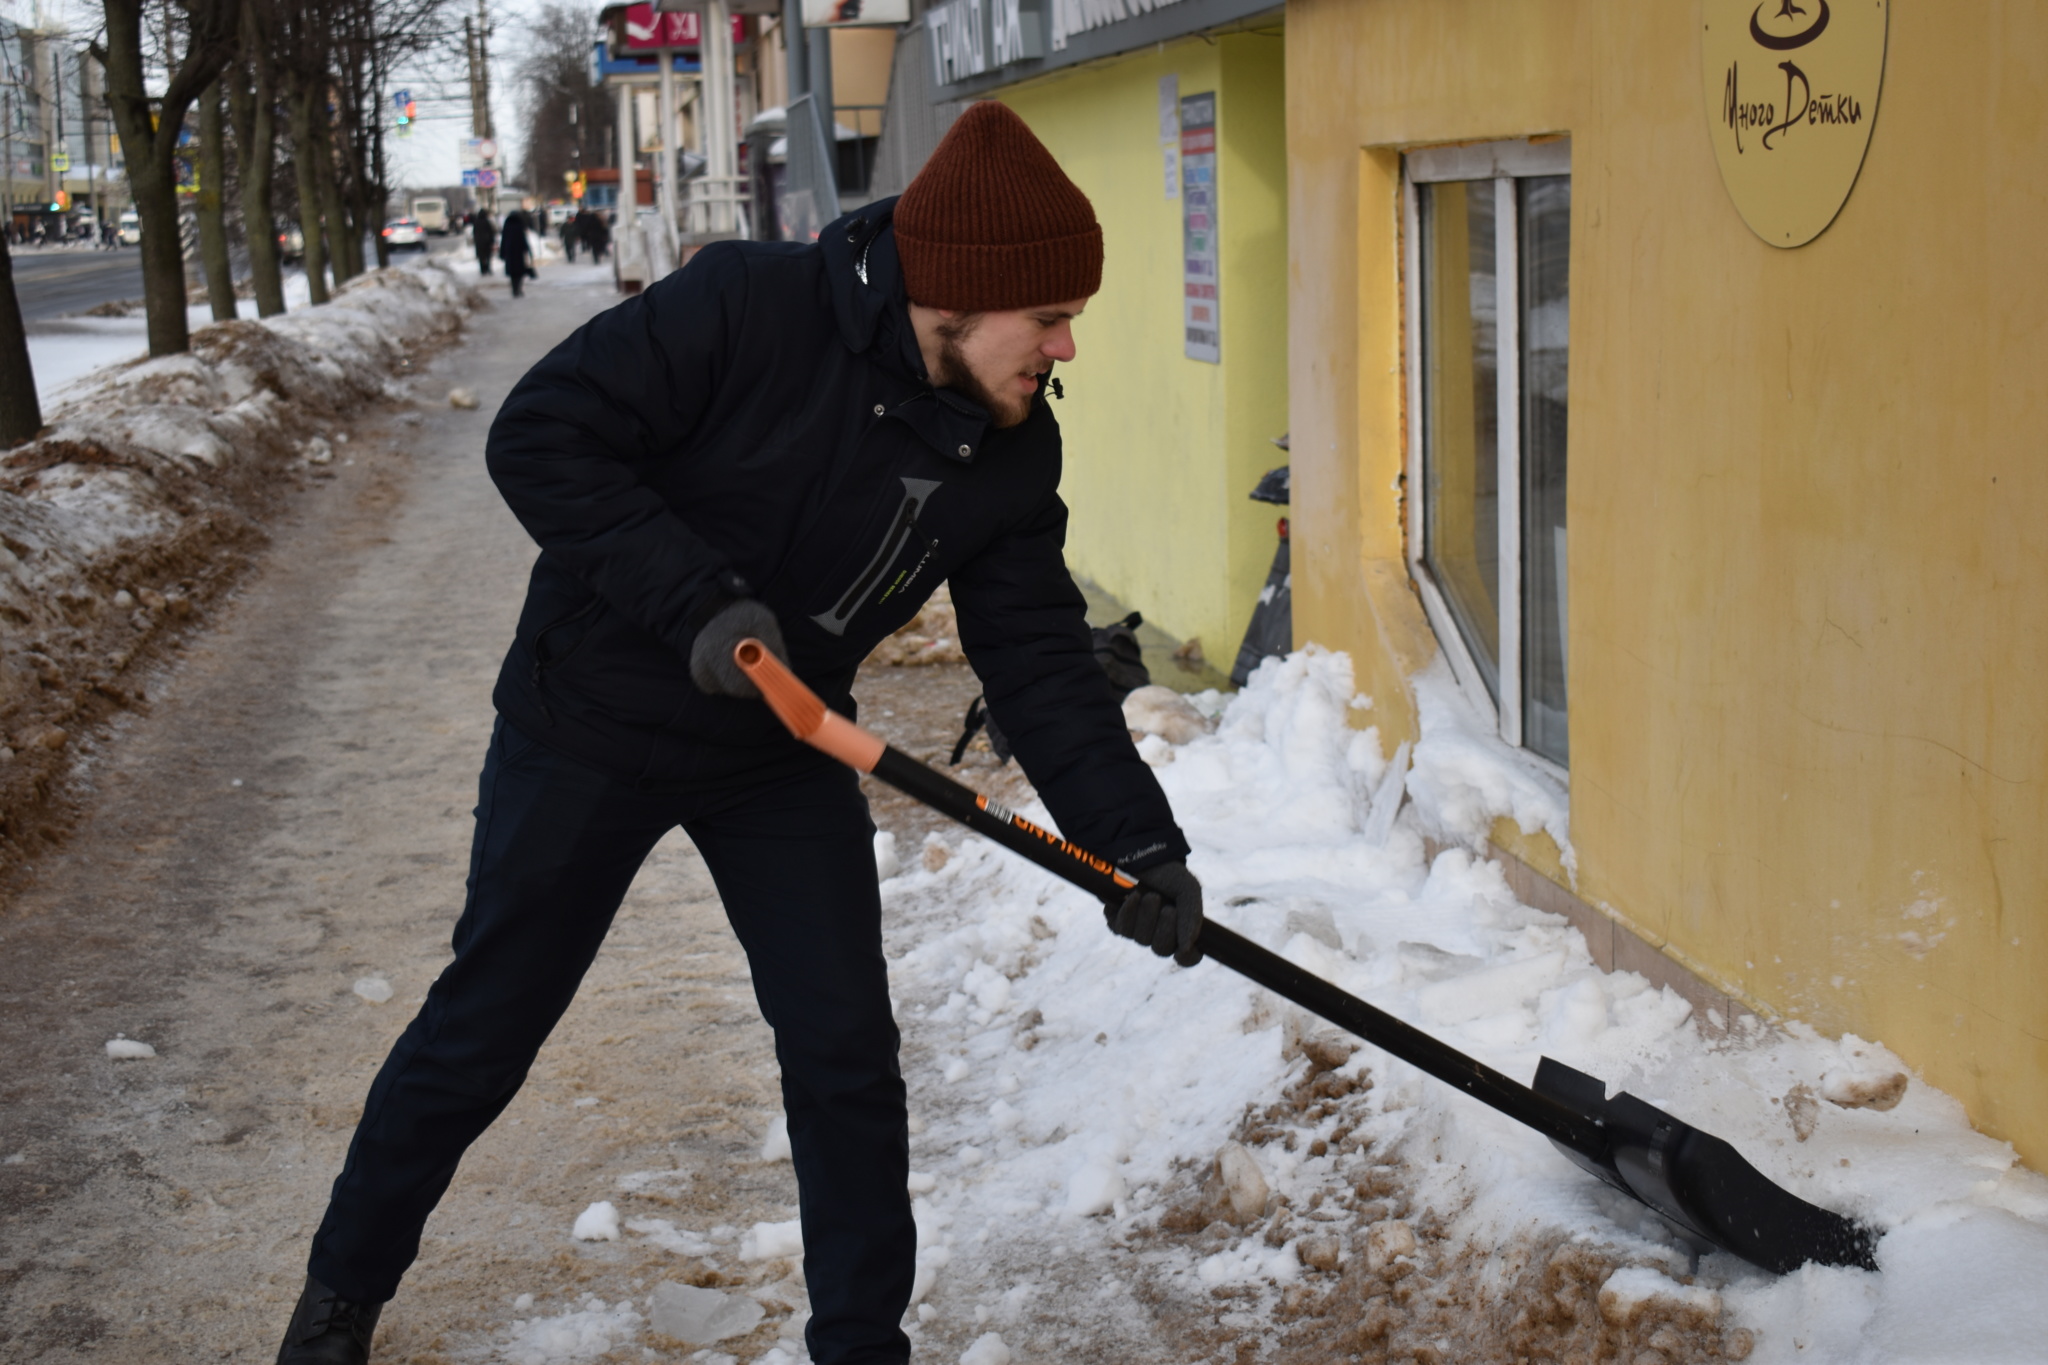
{"points": [[916, 493]]}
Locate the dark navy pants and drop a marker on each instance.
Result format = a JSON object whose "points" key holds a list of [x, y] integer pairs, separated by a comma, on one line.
{"points": [[557, 844]]}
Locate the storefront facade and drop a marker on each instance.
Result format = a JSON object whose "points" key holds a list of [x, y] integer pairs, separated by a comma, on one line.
{"points": [[1172, 121], [1730, 527]]}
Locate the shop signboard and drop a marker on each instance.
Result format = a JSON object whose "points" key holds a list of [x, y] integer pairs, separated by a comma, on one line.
{"points": [[971, 37], [1791, 97], [1199, 273]]}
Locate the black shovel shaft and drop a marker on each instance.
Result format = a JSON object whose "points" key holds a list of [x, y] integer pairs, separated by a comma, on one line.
{"points": [[1099, 877]]}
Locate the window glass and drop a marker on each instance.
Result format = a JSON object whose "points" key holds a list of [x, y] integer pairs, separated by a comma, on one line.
{"points": [[1461, 445], [1544, 221]]}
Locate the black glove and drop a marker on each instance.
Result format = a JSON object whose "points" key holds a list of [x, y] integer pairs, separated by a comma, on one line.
{"points": [[1164, 913], [712, 666]]}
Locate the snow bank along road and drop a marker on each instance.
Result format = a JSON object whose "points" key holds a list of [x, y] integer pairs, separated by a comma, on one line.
{"points": [[1113, 1160]]}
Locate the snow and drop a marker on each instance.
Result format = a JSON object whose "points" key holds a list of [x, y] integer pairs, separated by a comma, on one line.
{"points": [[374, 989], [988, 1349], [775, 1145], [64, 350], [587, 1332], [1074, 1101], [669, 1237], [129, 1050], [767, 1241], [598, 1223]]}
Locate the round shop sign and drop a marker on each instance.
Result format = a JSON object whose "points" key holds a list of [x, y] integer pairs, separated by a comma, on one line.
{"points": [[1791, 88]]}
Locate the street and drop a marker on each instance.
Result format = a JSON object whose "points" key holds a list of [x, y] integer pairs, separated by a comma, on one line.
{"points": [[54, 281]]}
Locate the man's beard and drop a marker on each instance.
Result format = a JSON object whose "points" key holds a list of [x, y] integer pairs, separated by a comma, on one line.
{"points": [[955, 373]]}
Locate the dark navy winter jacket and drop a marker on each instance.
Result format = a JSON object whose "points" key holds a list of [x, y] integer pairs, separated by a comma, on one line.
{"points": [[764, 413]]}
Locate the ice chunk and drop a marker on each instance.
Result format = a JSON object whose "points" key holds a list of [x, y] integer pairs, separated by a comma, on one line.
{"points": [[581, 1334], [598, 1223], [701, 1316], [1631, 1288], [957, 1069], [1241, 1183], [920, 1183], [988, 1348], [766, 1241], [1387, 1242], [1161, 711], [1867, 1077], [886, 863], [374, 989], [1097, 1186], [775, 1145], [462, 398], [129, 1050], [668, 1237]]}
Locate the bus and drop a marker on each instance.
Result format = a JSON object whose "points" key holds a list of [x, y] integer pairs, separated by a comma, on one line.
{"points": [[432, 214]]}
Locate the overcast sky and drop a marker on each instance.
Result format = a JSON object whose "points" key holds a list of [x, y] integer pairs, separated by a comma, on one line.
{"points": [[428, 157]]}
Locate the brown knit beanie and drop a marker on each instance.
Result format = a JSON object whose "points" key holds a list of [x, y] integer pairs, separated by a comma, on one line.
{"points": [[993, 223]]}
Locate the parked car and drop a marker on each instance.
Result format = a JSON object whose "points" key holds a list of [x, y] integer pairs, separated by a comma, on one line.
{"points": [[130, 228], [291, 243], [405, 232]]}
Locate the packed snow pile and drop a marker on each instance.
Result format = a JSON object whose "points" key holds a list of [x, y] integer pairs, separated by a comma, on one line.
{"points": [[1113, 1158], [1257, 1175], [140, 499]]}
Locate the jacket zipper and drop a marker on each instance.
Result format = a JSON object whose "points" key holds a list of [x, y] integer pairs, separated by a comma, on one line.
{"points": [[541, 665]]}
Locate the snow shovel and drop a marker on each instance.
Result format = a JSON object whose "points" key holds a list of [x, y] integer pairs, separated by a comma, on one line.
{"points": [[1695, 1181]]}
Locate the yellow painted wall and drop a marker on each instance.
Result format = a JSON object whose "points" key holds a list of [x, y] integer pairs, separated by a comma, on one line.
{"points": [[1162, 451], [1809, 575]]}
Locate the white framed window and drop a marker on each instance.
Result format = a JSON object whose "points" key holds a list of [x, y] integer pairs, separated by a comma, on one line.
{"points": [[1488, 243]]}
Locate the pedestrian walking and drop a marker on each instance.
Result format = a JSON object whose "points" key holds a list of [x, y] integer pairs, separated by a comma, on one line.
{"points": [[597, 234], [486, 240], [570, 234], [512, 250], [667, 458]]}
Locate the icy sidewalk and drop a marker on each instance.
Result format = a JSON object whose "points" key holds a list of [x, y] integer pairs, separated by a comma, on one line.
{"points": [[137, 502], [1071, 1095]]}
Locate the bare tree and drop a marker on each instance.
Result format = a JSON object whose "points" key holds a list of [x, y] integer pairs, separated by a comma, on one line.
{"points": [[569, 120], [213, 227], [252, 103], [204, 35]]}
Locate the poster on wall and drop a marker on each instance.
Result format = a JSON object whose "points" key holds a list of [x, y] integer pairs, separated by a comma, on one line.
{"points": [[1198, 227]]}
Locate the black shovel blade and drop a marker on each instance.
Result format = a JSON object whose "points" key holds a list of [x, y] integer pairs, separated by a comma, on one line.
{"points": [[1700, 1184]]}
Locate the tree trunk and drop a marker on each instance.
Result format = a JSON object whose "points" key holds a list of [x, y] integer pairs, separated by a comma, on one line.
{"points": [[340, 259], [349, 201], [306, 160], [21, 415], [213, 227], [149, 137], [251, 97]]}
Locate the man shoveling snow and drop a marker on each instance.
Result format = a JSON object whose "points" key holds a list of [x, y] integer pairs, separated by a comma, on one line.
{"points": [[796, 443]]}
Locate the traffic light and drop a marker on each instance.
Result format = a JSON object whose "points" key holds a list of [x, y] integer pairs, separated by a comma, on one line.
{"points": [[407, 112], [61, 202]]}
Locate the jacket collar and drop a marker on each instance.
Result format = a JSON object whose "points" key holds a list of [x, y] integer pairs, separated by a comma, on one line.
{"points": [[873, 313]]}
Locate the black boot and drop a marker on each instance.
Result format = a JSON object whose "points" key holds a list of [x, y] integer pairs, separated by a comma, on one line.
{"points": [[328, 1329]]}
